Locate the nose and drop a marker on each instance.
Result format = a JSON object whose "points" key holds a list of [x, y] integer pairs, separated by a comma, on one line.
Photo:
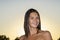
{"points": [[35, 20]]}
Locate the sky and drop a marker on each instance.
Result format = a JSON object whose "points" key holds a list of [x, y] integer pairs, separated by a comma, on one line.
{"points": [[12, 16]]}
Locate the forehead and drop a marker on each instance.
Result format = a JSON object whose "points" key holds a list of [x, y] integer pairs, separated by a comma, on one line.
{"points": [[33, 14]]}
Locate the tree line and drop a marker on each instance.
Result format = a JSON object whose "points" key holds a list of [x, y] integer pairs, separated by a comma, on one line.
{"points": [[4, 37]]}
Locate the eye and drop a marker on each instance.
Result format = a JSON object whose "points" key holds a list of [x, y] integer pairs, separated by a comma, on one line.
{"points": [[37, 17], [32, 17]]}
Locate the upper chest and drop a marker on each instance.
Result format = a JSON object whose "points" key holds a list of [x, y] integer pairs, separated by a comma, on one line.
{"points": [[36, 37]]}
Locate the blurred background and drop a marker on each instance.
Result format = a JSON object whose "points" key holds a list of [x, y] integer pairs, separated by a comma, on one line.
{"points": [[12, 16]]}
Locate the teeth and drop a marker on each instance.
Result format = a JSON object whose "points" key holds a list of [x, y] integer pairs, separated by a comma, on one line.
{"points": [[34, 24]]}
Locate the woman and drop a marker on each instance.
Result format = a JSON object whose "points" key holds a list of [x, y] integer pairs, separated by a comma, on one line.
{"points": [[32, 27]]}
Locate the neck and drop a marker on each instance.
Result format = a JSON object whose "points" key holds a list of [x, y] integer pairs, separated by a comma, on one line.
{"points": [[33, 30]]}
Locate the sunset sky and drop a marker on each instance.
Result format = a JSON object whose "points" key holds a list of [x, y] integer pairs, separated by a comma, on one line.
{"points": [[12, 16]]}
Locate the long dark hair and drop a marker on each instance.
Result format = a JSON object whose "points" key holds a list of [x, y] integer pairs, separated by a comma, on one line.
{"points": [[26, 22]]}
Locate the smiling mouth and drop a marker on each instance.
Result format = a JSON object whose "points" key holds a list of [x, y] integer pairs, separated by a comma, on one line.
{"points": [[35, 23]]}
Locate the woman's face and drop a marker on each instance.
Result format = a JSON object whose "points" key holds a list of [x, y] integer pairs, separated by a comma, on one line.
{"points": [[33, 20]]}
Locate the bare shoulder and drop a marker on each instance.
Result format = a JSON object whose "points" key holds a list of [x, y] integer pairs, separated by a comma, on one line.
{"points": [[44, 32], [47, 33], [22, 37]]}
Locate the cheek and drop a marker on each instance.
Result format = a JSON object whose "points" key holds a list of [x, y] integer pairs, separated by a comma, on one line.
{"points": [[38, 21]]}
